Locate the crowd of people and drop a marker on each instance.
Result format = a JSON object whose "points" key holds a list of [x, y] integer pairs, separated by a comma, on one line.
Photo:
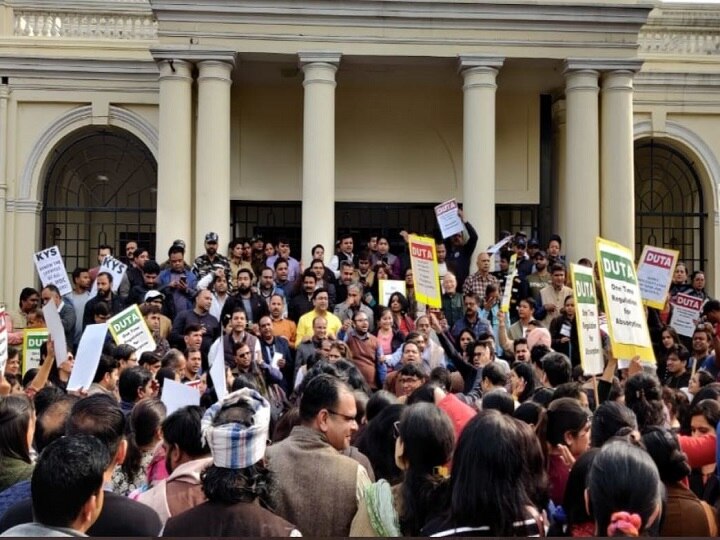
{"points": [[349, 413]]}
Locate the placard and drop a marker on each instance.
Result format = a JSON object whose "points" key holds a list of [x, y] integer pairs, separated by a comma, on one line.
{"points": [[655, 273], [177, 395], [507, 292], [685, 314], [88, 357], [217, 368], [3, 341], [115, 268], [386, 287], [448, 218], [51, 269], [627, 324], [425, 270], [586, 319], [129, 327], [33, 338], [57, 332]]}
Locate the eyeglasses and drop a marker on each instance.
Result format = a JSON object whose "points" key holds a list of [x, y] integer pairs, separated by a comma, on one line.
{"points": [[243, 355], [345, 416], [396, 429]]}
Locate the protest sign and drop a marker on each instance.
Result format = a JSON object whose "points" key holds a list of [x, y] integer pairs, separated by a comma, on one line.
{"points": [[507, 293], [51, 269], [627, 324], [448, 218], [129, 327], [32, 341], [388, 286], [425, 270], [3, 341], [685, 314], [586, 319], [654, 273], [57, 332], [113, 267], [88, 357], [176, 395], [217, 368]]}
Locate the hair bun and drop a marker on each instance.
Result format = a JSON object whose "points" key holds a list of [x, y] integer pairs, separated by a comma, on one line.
{"points": [[624, 522]]}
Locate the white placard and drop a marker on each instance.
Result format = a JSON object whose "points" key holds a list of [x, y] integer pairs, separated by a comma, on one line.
{"points": [[685, 314], [176, 395], [386, 287], [3, 341], [51, 269], [492, 250], [57, 332], [448, 218], [217, 368], [654, 274], [129, 327], [275, 359], [87, 357], [115, 268]]}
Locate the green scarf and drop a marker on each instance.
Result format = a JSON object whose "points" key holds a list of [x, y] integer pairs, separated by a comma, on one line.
{"points": [[381, 509]]}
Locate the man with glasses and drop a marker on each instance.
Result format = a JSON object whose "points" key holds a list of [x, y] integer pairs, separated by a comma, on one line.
{"points": [[317, 487]]}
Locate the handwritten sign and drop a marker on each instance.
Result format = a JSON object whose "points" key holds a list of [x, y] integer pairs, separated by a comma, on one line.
{"points": [[448, 218], [586, 319], [425, 270], [51, 269], [115, 268], [685, 313], [129, 327], [627, 324], [654, 273]]}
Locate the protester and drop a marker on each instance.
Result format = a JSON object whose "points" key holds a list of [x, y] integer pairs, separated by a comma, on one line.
{"points": [[17, 427]]}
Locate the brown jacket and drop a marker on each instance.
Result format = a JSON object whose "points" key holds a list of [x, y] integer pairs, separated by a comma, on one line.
{"points": [[686, 515]]}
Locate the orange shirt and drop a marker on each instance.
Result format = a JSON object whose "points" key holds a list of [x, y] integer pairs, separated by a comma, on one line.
{"points": [[287, 329]]}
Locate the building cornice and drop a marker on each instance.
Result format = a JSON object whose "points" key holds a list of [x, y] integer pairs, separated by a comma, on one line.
{"points": [[193, 54]]}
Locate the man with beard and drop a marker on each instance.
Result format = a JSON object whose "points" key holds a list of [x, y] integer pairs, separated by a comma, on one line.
{"points": [[211, 260], [104, 294], [245, 298], [541, 278], [282, 271], [239, 334], [135, 270], [106, 377], [347, 278], [301, 303], [472, 319]]}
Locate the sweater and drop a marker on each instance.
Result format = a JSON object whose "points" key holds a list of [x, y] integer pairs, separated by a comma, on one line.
{"points": [[13, 470]]}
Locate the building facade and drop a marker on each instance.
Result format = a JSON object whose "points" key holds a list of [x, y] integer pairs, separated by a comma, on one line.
{"points": [[158, 119]]}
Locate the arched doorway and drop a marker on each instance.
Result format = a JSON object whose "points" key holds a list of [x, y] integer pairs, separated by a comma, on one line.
{"points": [[669, 203], [101, 188]]}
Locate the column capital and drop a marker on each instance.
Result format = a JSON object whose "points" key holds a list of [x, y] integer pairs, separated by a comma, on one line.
{"points": [[319, 57], [175, 69], [470, 61], [600, 64], [582, 79], [619, 80], [216, 70]]}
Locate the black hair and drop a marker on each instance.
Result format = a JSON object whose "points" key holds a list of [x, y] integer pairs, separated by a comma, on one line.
{"points": [[609, 419], [663, 446], [98, 415], [279, 261], [495, 373], [377, 402], [352, 376], [557, 368], [708, 409], [622, 477], [47, 396], [377, 442], [498, 400], [106, 364], [538, 352], [441, 377], [531, 413], [319, 291], [148, 358], [570, 389], [143, 423], [542, 396], [101, 309], [527, 373], [643, 395], [16, 414], [574, 500], [402, 300], [565, 414], [182, 428], [710, 306], [423, 394], [175, 248], [322, 392], [413, 369], [50, 425], [69, 471], [164, 373], [26, 293], [123, 351], [131, 380], [710, 391], [428, 440], [241, 381]]}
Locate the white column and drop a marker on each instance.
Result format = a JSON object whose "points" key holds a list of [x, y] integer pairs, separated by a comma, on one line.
{"points": [[212, 152], [617, 175], [174, 195], [4, 94], [582, 169], [478, 190], [318, 177]]}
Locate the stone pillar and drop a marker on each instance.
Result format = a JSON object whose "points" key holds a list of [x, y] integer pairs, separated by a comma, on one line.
{"points": [[478, 190], [318, 178], [617, 174], [212, 152], [582, 166], [174, 195]]}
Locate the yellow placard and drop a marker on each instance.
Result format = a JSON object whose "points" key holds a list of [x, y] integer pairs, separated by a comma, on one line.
{"points": [[426, 276]]}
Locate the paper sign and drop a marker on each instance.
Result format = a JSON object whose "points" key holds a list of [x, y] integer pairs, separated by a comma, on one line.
{"points": [[497, 247], [586, 319], [176, 395], [3, 341], [685, 314], [513, 264], [425, 270], [654, 273], [448, 218], [51, 269], [275, 359], [627, 324], [57, 332], [507, 293], [113, 267], [87, 357], [387, 287], [129, 327], [217, 368], [33, 339]]}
